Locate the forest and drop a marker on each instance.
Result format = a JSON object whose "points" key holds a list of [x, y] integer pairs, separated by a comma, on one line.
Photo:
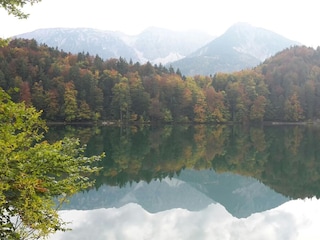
{"points": [[83, 88]]}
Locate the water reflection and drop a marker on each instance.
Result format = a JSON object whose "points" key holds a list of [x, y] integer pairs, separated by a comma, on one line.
{"points": [[192, 190], [285, 158], [226, 177]]}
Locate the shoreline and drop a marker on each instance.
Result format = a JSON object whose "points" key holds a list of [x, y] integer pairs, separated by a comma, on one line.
{"points": [[118, 123]]}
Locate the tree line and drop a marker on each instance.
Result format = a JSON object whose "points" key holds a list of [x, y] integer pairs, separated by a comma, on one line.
{"points": [[80, 87]]}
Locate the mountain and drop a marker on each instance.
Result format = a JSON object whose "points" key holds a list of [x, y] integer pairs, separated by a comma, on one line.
{"points": [[154, 44], [241, 46], [106, 44]]}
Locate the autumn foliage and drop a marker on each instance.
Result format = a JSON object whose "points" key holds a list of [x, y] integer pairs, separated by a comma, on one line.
{"points": [[81, 87]]}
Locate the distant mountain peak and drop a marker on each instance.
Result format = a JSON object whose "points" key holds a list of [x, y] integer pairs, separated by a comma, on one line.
{"points": [[241, 46], [255, 41]]}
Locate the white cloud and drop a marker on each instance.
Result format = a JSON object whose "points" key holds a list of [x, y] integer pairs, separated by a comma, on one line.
{"points": [[296, 219], [294, 19]]}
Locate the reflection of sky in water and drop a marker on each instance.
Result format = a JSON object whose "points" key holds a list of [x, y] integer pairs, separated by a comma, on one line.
{"points": [[194, 205], [296, 219]]}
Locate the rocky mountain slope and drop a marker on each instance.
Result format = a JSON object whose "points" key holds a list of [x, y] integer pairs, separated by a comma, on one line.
{"points": [[241, 46]]}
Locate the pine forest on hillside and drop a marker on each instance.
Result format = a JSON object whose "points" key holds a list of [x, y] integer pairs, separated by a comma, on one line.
{"points": [[80, 88]]}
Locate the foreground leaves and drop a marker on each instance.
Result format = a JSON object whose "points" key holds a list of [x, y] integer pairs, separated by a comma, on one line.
{"points": [[33, 172]]}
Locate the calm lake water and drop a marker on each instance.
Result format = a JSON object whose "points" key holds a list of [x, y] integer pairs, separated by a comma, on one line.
{"points": [[198, 182]]}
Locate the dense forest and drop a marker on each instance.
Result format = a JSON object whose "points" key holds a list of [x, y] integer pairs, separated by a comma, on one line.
{"points": [[80, 87]]}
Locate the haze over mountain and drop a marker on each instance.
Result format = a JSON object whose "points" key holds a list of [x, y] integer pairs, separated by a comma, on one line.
{"points": [[241, 46], [153, 44], [161, 45]]}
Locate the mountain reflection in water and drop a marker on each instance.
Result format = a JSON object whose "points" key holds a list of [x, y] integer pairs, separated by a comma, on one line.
{"points": [[192, 190], [236, 172]]}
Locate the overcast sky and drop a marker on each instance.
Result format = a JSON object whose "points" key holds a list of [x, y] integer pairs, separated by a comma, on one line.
{"points": [[294, 220], [296, 19]]}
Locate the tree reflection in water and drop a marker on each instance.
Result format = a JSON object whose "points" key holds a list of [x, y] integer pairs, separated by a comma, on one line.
{"points": [[285, 158]]}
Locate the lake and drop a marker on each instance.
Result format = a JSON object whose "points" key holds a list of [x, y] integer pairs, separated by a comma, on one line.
{"points": [[198, 182]]}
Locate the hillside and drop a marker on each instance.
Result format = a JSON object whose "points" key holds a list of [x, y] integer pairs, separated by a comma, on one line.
{"points": [[69, 87], [241, 46]]}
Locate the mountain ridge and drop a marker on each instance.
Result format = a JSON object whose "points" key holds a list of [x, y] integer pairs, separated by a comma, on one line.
{"points": [[153, 44]]}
